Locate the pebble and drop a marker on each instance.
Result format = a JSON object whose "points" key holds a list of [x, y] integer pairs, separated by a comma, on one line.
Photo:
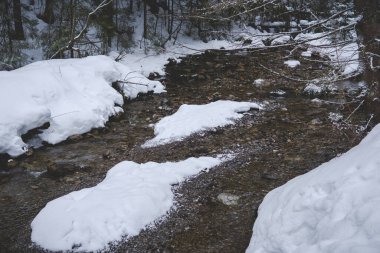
{"points": [[316, 122], [12, 163]]}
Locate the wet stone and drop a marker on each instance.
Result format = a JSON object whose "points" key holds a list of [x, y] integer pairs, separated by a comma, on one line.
{"points": [[11, 163], [228, 199], [316, 122], [269, 176], [63, 168]]}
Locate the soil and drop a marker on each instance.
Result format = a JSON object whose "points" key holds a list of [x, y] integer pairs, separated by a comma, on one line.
{"points": [[291, 136]]}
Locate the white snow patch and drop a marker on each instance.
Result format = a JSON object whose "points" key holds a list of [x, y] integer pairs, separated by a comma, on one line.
{"points": [[313, 89], [335, 117], [280, 40], [259, 82], [331, 209], [131, 197], [348, 58], [292, 63], [190, 119], [306, 53], [278, 92], [344, 57], [73, 95]]}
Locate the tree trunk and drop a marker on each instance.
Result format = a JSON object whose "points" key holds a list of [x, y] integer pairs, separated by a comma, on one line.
{"points": [[145, 21], [48, 15], [18, 33], [7, 26], [369, 33]]}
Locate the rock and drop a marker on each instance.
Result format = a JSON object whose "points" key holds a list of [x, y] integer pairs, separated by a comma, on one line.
{"points": [[231, 97], [269, 176], [293, 158], [228, 199], [201, 150], [11, 163], [34, 187], [316, 122], [107, 155], [29, 152], [75, 137], [61, 168]]}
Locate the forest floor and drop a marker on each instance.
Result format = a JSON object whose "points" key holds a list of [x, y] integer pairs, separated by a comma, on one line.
{"points": [[293, 135]]}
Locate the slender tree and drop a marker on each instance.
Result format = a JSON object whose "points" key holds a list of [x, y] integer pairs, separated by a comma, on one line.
{"points": [[18, 33]]}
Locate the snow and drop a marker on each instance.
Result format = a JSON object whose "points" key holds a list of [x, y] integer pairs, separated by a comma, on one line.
{"points": [[278, 92], [281, 40], [333, 208], [306, 54], [344, 57], [154, 61], [73, 95], [146, 63], [313, 89], [131, 197], [292, 63], [259, 82], [348, 56], [190, 119]]}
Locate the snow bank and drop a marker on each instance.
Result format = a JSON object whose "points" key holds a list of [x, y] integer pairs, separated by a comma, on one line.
{"points": [[333, 208], [190, 119], [345, 57], [73, 95], [130, 197]]}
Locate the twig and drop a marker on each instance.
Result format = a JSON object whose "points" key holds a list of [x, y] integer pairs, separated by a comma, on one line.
{"points": [[352, 113], [279, 74], [59, 115]]}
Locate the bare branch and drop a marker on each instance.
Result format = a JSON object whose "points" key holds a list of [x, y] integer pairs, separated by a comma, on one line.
{"points": [[71, 43]]}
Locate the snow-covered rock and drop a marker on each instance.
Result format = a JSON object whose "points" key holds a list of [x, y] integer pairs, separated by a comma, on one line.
{"points": [[292, 63], [306, 53], [331, 209], [259, 82], [130, 197], [73, 95], [313, 89], [190, 119], [280, 40]]}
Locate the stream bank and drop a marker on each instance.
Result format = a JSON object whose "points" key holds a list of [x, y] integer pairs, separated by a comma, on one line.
{"points": [[215, 211]]}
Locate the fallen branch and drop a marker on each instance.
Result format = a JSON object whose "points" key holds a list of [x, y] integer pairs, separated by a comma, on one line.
{"points": [[352, 113]]}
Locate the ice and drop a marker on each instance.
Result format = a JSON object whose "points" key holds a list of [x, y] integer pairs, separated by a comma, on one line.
{"points": [[331, 209], [190, 119], [131, 197]]}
